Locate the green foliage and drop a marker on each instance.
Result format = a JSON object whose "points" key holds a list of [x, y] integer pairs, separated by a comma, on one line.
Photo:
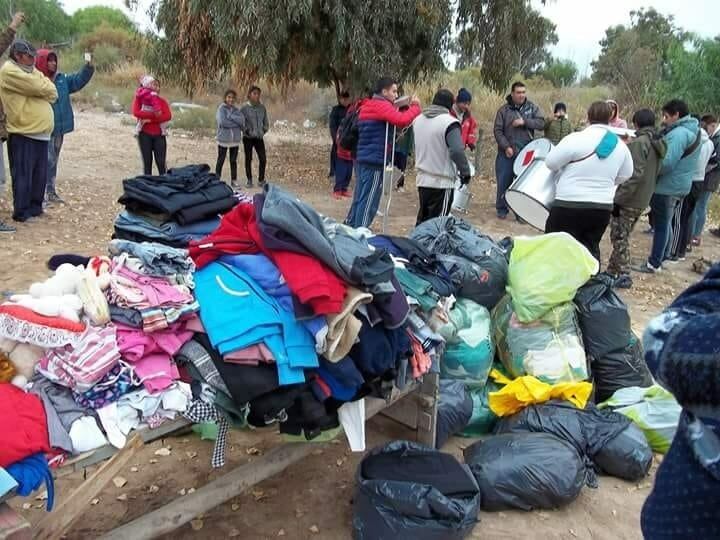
{"points": [[88, 19], [558, 71], [46, 23], [504, 37], [194, 119], [635, 58], [126, 43], [323, 41], [694, 75], [107, 57]]}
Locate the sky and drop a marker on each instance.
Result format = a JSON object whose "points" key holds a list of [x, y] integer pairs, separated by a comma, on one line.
{"points": [[580, 24]]}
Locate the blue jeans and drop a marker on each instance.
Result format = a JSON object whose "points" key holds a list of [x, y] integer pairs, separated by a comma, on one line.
{"points": [[663, 207], [698, 218], [54, 147], [366, 197], [504, 174], [343, 174]]}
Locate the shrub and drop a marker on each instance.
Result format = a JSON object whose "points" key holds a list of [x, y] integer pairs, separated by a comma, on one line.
{"points": [[127, 43], [106, 57], [194, 119]]}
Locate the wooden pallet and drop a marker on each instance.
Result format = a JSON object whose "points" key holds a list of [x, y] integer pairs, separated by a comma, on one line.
{"points": [[415, 407]]}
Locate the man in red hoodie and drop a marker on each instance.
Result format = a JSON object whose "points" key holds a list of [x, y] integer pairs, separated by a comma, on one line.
{"points": [[66, 84], [377, 116], [151, 136]]}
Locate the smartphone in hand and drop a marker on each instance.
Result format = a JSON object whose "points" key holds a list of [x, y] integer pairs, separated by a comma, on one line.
{"points": [[88, 57], [402, 102]]}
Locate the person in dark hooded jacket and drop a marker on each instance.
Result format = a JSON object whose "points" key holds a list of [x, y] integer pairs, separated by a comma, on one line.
{"points": [[632, 197], [681, 350], [515, 125], [46, 61]]}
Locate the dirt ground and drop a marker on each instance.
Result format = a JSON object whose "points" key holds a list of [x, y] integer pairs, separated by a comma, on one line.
{"points": [[312, 499]]}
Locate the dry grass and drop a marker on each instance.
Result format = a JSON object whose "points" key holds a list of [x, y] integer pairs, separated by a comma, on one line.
{"points": [[486, 102]]}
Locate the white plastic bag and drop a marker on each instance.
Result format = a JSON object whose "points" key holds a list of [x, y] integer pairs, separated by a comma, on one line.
{"points": [[352, 419]]}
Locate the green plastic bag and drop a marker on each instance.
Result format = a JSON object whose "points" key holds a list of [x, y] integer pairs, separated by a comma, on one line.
{"points": [[483, 420], [654, 410], [546, 271], [550, 348], [469, 350]]}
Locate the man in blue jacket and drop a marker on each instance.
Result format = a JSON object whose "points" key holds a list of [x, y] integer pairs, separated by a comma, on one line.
{"points": [[375, 125], [66, 84], [682, 136]]}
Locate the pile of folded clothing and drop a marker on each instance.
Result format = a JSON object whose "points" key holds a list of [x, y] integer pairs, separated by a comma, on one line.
{"points": [[173, 209], [276, 318]]}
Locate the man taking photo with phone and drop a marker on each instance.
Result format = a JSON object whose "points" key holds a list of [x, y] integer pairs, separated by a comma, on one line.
{"points": [[66, 83]]}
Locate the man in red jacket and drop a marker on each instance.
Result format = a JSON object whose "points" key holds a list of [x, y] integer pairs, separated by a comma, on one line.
{"points": [[468, 125], [377, 116], [153, 114]]}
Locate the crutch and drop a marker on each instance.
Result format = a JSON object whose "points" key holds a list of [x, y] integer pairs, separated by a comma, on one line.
{"points": [[387, 183]]}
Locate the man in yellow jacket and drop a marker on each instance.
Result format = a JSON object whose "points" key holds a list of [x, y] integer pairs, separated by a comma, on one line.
{"points": [[26, 95]]}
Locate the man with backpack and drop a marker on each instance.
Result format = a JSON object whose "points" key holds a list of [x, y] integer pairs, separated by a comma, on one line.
{"points": [[376, 121], [337, 113], [346, 139], [682, 136]]}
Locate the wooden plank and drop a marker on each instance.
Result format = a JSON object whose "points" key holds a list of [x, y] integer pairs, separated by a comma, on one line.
{"points": [[12, 525], [175, 514], [182, 510], [404, 411], [427, 400], [70, 509]]}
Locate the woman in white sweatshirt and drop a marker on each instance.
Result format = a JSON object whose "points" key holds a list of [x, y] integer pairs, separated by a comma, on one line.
{"points": [[590, 165]]}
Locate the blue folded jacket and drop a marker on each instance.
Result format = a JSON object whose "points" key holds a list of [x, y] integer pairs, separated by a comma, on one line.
{"points": [[236, 313]]}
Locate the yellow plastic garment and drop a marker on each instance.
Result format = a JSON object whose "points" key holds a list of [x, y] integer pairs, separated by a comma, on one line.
{"points": [[523, 391], [546, 271]]}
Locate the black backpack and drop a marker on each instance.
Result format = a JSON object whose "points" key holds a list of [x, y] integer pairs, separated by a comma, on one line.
{"points": [[349, 132], [712, 173]]}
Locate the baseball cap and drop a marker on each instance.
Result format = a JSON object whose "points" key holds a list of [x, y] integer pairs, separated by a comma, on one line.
{"points": [[20, 46]]}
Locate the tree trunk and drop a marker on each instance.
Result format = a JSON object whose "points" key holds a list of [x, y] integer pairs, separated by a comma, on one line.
{"points": [[336, 81]]}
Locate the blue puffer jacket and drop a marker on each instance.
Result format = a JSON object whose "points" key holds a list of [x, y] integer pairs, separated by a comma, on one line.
{"points": [[374, 116], [676, 173]]}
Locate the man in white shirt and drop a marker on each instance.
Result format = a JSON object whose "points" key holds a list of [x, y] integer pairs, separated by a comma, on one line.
{"points": [[590, 165]]}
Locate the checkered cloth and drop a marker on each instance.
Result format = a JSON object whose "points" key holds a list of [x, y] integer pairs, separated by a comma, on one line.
{"points": [[200, 412]]}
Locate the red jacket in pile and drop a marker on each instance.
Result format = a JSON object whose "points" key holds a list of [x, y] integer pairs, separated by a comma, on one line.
{"points": [[313, 283], [24, 425]]}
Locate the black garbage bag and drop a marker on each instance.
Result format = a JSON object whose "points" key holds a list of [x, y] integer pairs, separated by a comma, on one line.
{"points": [[627, 456], [485, 281], [526, 471], [604, 317], [622, 368], [455, 407], [408, 491], [588, 430]]}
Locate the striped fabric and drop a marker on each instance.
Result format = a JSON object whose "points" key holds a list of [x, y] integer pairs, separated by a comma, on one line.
{"points": [[79, 367], [160, 318]]}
